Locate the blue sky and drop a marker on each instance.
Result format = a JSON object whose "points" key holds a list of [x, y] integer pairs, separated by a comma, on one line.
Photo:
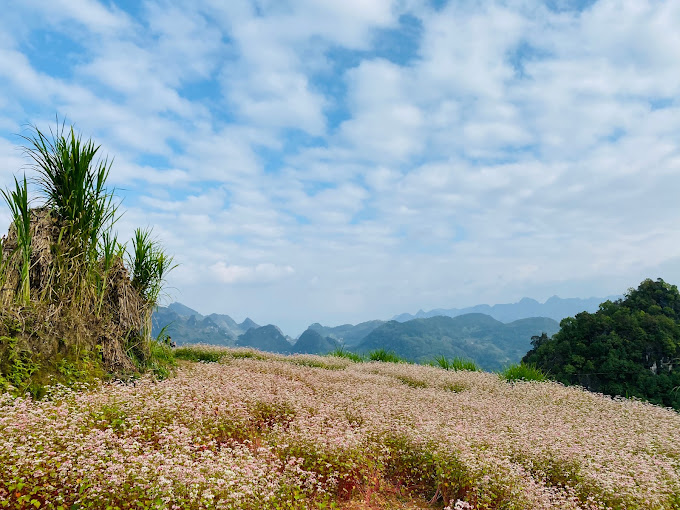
{"points": [[327, 161]]}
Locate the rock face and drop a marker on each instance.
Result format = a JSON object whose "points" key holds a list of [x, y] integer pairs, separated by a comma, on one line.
{"points": [[267, 338], [311, 342]]}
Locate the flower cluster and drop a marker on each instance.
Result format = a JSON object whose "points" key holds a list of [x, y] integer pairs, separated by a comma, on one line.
{"points": [[267, 431]]}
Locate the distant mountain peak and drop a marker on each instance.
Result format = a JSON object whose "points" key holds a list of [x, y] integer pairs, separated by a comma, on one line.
{"points": [[529, 301], [265, 338], [183, 310], [555, 308], [248, 323], [272, 326], [312, 342]]}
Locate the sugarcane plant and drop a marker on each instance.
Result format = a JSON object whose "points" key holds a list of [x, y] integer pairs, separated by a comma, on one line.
{"points": [[17, 200], [62, 267], [73, 185], [150, 266]]}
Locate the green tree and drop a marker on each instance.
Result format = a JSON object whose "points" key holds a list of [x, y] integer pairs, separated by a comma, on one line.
{"points": [[629, 347]]}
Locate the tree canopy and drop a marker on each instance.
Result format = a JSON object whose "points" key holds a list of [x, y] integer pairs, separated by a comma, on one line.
{"points": [[629, 347]]}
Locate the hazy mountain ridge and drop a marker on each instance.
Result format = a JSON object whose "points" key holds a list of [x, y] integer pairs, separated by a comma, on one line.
{"points": [[555, 308], [187, 326], [347, 334], [477, 336], [311, 342], [490, 343]]}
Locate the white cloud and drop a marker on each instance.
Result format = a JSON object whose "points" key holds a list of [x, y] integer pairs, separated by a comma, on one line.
{"points": [[385, 125], [261, 273], [521, 150], [90, 13]]}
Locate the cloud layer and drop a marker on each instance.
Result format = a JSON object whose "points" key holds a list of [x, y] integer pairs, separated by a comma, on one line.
{"points": [[340, 161]]}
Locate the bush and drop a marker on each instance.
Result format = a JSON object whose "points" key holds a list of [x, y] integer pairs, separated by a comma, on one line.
{"points": [[70, 307]]}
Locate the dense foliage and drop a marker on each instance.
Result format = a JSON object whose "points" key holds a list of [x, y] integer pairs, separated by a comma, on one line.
{"points": [[629, 347]]}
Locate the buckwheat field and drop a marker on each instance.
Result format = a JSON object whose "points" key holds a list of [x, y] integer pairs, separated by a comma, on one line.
{"points": [[257, 431]]}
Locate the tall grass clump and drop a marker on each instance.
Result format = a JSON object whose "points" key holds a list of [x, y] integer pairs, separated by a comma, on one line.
{"points": [[455, 364], [72, 182], [71, 296], [149, 266], [341, 352], [522, 372], [17, 200], [385, 356]]}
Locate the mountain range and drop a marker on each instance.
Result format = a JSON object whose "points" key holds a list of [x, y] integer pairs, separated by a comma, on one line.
{"points": [[187, 326], [492, 336], [555, 308]]}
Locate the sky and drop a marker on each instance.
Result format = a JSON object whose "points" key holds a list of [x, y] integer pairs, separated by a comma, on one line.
{"points": [[339, 161]]}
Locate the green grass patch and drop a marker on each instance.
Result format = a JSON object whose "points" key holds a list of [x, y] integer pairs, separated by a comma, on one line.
{"points": [[247, 354], [456, 387], [412, 382], [161, 362], [195, 353], [326, 365]]}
